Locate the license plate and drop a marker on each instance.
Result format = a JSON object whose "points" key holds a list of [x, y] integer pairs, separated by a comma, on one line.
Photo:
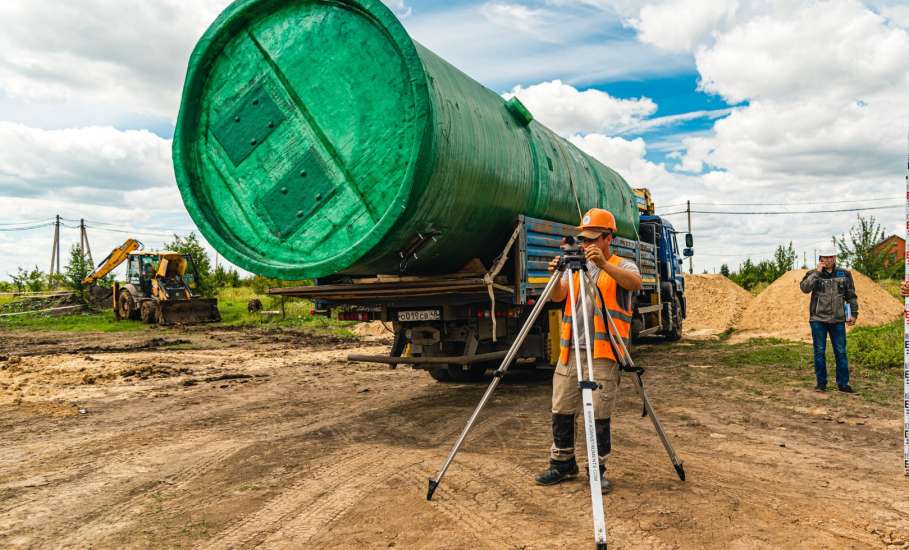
{"points": [[426, 315]]}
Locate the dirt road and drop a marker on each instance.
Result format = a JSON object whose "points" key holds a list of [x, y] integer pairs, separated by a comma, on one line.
{"points": [[241, 439]]}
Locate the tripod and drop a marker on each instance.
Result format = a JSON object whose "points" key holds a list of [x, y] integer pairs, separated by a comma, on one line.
{"points": [[575, 262]]}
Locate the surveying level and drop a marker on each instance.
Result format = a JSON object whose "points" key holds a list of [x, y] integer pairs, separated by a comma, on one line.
{"points": [[574, 261]]}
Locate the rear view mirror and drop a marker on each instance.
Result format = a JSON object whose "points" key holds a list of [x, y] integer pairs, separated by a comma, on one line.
{"points": [[688, 252], [689, 240]]}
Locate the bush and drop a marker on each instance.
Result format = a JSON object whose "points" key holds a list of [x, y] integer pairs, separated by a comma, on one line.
{"points": [[877, 348]]}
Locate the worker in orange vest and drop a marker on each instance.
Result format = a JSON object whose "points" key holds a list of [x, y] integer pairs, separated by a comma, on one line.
{"points": [[616, 278]]}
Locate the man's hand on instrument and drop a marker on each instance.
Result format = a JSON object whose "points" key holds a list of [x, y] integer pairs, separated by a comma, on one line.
{"points": [[554, 263], [595, 255]]}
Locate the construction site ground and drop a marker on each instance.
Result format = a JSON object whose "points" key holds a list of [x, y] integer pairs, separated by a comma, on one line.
{"points": [[245, 438]]}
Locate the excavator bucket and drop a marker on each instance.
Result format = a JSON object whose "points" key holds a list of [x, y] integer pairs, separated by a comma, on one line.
{"points": [[186, 312]]}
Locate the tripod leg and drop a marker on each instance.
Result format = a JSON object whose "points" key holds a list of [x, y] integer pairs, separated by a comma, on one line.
{"points": [[627, 363], [587, 386], [497, 377], [679, 468]]}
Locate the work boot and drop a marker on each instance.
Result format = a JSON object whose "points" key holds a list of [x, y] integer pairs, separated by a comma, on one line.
{"points": [[820, 388], [846, 389], [557, 472]]}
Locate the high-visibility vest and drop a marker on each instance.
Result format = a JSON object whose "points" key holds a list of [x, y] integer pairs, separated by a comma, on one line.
{"points": [[620, 316]]}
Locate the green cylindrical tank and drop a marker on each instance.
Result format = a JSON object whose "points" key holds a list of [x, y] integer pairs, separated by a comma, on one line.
{"points": [[315, 137]]}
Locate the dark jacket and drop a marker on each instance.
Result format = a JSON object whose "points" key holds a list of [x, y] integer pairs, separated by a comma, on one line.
{"points": [[830, 292]]}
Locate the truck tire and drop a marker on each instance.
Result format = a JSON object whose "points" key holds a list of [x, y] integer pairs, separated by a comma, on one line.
{"points": [[472, 374], [675, 334], [440, 373], [457, 373]]}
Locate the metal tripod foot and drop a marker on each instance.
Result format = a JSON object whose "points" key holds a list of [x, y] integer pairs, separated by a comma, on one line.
{"points": [[433, 484]]}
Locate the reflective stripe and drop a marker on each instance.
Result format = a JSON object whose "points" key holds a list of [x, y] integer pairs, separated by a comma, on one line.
{"points": [[619, 315]]}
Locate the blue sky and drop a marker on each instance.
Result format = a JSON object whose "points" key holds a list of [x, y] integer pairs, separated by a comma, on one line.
{"points": [[799, 102]]}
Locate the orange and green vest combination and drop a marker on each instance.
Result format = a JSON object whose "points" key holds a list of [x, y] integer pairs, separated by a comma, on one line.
{"points": [[620, 316]]}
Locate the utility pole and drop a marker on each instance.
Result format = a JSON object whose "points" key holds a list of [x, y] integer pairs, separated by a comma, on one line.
{"points": [[83, 242], [55, 249], [690, 262]]}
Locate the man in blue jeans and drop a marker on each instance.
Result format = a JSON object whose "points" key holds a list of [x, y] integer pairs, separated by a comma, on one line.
{"points": [[833, 306]]}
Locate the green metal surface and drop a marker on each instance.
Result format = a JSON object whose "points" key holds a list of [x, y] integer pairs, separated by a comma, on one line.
{"points": [[315, 137]]}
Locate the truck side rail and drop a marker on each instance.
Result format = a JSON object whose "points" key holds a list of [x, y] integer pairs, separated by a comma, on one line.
{"points": [[539, 242]]}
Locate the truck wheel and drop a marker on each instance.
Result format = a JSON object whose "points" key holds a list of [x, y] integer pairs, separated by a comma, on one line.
{"points": [[457, 373], [439, 374], [474, 373], [676, 333], [126, 307]]}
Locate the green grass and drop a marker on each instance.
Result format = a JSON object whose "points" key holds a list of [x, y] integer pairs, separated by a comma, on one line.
{"points": [[83, 322], [875, 361], [892, 286], [232, 302]]}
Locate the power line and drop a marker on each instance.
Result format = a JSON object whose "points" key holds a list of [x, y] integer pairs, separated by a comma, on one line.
{"points": [[880, 199], [26, 222], [27, 228], [134, 232], [874, 199], [772, 213]]}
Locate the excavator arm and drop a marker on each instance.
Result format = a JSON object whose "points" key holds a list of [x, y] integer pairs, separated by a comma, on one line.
{"points": [[110, 263]]}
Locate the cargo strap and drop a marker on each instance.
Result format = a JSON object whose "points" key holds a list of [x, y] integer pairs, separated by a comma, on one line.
{"points": [[490, 277]]}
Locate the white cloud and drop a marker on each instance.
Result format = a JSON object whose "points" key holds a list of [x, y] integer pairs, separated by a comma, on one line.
{"points": [[826, 50], [574, 43], [127, 54], [679, 25], [101, 174], [399, 7], [898, 15], [95, 162], [567, 110]]}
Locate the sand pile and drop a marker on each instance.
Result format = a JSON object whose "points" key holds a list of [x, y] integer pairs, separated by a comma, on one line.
{"points": [[714, 304], [373, 329], [781, 311]]}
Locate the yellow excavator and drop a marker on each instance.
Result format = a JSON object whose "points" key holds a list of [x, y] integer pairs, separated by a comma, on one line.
{"points": [[158, 288]]}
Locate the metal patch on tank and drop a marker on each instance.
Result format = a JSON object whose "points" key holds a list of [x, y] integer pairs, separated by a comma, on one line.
{"points": [[287, 205], [248, 124]]}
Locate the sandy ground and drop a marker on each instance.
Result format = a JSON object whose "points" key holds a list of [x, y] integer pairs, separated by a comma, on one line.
{"points": [[242, 439]]}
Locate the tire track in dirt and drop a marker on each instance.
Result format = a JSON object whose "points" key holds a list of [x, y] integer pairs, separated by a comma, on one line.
{"points": [[328, 487], [507, 475], [301, 511], [109, 517]]}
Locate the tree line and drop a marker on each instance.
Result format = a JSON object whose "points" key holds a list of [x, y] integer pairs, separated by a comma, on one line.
{"points": [[855, 250]]}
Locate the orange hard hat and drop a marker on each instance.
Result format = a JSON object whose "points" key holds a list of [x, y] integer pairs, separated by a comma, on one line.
{"points": [[596, 221]]}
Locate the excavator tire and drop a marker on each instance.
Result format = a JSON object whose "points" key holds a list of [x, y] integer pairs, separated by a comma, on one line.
{"points": [[148, 312], [126, 307]]}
